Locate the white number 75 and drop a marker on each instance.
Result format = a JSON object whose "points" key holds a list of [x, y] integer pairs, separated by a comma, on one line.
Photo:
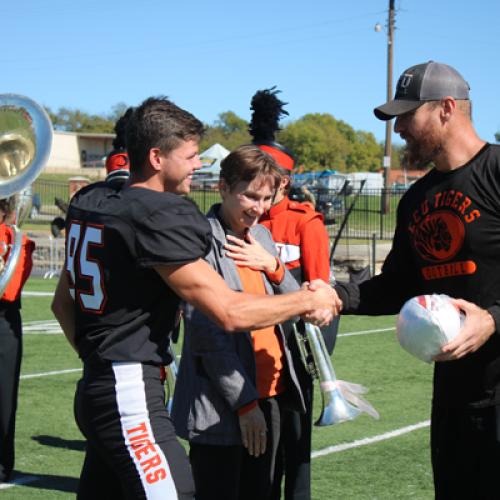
{"points": [[81, 267]]}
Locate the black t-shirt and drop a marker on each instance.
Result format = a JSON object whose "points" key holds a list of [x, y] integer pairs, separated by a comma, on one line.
{"points": [[124, 310], [447, 240]]}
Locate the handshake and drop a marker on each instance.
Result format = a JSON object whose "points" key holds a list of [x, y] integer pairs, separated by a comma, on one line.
{"points": [[325, 302]]}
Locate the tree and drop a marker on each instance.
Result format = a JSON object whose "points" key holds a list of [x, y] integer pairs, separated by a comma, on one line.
{"points": [[229, 130], [231, 123], [319, 141], [323, 143], [316, 141], [117, 111], [366, 153], [76, 120]]}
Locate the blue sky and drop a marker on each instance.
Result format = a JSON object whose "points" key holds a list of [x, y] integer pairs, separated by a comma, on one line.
{"points": [[211, 56]]}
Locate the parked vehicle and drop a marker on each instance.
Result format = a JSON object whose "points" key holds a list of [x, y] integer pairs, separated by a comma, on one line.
{"points": [[205, 181], [329, 202], [400, 187]]}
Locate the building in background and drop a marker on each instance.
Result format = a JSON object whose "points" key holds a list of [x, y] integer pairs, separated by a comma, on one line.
{"points": [[74, 151]]}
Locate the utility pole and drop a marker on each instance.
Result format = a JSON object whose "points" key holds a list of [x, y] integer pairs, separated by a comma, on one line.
{"points": [[388, 124]]}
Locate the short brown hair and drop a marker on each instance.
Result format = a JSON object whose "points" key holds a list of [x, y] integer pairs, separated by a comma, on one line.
{"points": [[464, 105], [246, 163], [158, 123]]}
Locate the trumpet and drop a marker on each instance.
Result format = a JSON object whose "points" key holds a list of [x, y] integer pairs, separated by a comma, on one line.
{"points": [[341, 401]]}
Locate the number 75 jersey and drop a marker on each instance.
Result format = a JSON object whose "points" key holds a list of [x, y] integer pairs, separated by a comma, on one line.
{"points": [[114, 240]]}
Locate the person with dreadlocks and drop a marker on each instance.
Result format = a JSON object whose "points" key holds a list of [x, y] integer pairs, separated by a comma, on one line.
{"points": [[302, 243], [11, 344]]}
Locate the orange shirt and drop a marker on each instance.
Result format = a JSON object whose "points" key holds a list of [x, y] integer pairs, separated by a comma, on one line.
{"points": [[266, 344]]}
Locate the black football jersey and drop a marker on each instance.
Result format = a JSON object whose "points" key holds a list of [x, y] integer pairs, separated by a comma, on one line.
{"points": [[447, 240], [124, 311]]}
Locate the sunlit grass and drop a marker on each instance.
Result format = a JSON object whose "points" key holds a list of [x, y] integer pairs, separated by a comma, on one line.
{"points": [[50, 446]]}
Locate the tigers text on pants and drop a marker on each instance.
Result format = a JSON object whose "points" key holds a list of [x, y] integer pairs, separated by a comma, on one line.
{"points": [[132, 450]]}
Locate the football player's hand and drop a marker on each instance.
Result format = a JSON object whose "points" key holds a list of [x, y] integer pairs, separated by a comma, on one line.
{"points": [[319, 286], [254, 431], [478, 327], [250, 253]]}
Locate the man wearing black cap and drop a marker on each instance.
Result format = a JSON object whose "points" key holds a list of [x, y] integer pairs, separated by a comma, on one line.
{"points": [[447, 240]]}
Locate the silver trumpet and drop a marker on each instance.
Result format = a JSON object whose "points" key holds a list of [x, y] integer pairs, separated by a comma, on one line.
{"points": [[170, 378], [341, 400]]}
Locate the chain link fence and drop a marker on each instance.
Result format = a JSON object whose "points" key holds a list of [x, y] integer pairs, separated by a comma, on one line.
{"points": [[349, 216], [361, 214]]}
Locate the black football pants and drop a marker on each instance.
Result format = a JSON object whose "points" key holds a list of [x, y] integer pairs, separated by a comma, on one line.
{"points": [[132, 450]]}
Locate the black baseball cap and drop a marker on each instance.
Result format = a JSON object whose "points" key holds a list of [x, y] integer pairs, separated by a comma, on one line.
{"points": [[419, 84]]}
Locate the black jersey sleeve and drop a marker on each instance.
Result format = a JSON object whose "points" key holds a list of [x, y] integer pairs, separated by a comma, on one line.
{"points": [[176, 233]]}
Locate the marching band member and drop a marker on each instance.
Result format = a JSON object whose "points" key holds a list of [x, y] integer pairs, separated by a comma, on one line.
{"points": [[303, 245], [11, 337]]}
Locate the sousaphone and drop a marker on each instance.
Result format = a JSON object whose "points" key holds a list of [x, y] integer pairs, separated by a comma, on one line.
{"points": [[25, 142]]}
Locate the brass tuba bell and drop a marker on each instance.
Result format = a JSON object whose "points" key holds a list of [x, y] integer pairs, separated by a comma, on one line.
{"points": [[25, 142]]}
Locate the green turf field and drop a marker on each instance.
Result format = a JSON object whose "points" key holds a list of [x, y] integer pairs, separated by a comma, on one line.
{"points": [[384, 459]]}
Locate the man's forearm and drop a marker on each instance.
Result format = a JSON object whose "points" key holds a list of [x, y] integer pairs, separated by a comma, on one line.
{"points": [[63, 309], [253, 312], [198, 284]]}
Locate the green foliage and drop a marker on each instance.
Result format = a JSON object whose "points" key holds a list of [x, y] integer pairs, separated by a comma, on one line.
{"points": [[76, 120], [320, 141], [365, 152], [497, 137], [231, 123], [323, 143], [317, 142], [117, 111], [229, 130], [397, 154]]}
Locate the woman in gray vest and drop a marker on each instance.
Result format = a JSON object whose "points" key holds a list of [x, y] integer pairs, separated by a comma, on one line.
{"points": [[231, 389]]}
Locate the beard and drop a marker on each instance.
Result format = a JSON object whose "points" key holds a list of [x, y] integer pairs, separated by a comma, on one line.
{"points": [[420, 153]]}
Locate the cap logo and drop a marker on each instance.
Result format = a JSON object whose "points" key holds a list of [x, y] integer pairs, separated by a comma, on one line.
{"points": [[404, 83]]}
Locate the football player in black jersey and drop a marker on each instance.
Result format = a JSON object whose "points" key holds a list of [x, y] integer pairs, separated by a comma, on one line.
{"points": [[130, 256]]}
